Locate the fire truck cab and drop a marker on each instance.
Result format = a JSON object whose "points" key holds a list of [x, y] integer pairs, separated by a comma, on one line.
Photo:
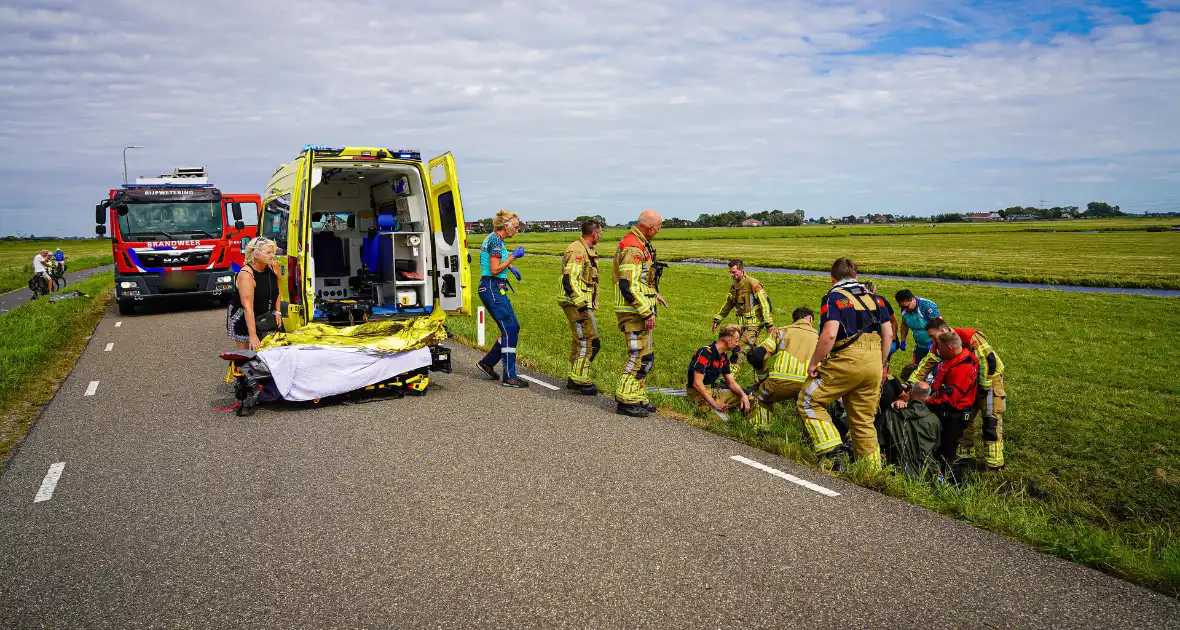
{"points": [[175, 234]]}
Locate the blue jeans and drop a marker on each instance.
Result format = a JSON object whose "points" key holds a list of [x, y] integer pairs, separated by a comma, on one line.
{"points": [[493, 292]]}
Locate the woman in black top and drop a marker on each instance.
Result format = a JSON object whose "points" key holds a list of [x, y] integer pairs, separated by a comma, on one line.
{"points": [[257, 294]]}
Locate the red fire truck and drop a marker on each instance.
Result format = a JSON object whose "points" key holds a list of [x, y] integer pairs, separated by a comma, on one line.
{"points": [[175, 235]]}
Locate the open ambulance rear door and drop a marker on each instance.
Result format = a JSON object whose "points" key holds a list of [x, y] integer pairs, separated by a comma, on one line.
{"points": [[450, 237]]}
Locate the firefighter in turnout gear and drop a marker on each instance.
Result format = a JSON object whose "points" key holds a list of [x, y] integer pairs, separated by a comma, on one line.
{"points": [[850, 362], [579, 300], [634, 279], [751, 306], [785, 354], [991, 399], [710, 364]]}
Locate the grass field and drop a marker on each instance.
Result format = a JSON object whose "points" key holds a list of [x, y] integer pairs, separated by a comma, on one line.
{"points": [[16, 258], [1106, 259], [39, 342], [1092, 437], [839, 230]]}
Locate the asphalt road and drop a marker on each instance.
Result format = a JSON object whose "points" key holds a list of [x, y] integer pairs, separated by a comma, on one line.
{"points": [[13, 299], [473, 506]]}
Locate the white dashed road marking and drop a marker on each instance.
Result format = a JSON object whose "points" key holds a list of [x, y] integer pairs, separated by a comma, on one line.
{"points": [[782, 475], [117, 324], [538, 382], [109, 347], [45, 492], [91, 388]]}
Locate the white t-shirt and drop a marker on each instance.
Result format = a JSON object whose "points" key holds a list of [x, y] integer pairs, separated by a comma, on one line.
{"points": [[38, 264]]}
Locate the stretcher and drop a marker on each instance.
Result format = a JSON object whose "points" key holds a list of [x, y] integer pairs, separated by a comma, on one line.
{"points": [[320, 364]]}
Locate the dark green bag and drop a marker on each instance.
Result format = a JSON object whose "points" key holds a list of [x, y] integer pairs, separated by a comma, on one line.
{"points": [[910, 437]]}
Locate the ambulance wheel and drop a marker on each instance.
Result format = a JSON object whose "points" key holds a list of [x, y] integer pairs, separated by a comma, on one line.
{"points": [[126, 307]]}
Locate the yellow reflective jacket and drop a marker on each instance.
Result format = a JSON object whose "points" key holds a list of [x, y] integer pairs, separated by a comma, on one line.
{"points": [[579, 276], [750, 301], [791, 348], [633, 263]]}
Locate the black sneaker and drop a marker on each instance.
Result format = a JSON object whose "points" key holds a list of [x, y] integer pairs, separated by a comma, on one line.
{"points": [[515, 382], [631, 409], [487, 369], [649, 407]]}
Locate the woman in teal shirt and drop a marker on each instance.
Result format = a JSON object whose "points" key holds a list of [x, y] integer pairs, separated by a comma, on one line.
{"points": [[493, 292]]}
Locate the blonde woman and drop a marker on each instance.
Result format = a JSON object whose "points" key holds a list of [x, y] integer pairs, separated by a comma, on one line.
{"points": [[494, 266], [252, 313]]}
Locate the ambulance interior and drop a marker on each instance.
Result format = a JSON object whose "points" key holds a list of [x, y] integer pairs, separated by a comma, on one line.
{"points": [[370, 242]]}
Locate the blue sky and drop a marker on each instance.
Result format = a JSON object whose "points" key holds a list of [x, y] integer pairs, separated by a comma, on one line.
{"points": [[605, 107]]}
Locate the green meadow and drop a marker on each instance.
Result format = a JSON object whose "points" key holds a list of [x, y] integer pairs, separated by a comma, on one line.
{"points": [[1092, 431]]}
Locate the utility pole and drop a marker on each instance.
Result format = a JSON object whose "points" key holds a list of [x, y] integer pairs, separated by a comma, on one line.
{"points": [[134, 146]]}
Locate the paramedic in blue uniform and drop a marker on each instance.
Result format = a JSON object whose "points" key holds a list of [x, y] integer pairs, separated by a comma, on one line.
{"points": [[494, 265]]}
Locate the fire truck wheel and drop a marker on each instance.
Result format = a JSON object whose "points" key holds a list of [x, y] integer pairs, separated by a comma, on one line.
{"points": [[126, 307]]}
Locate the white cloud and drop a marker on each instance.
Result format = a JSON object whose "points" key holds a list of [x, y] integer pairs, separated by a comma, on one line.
{"points": [[609, 107]]}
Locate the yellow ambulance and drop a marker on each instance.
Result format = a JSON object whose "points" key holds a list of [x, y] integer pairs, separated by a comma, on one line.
{"points": [[366, 234]]}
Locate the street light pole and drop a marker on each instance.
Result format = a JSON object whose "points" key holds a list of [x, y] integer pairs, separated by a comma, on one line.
{"points": [[134, 146]]}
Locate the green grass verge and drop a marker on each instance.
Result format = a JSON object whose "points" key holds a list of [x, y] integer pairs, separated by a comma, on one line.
{"points": [[1107, 259], [16, 258], [1093, 469], [39, 343]]}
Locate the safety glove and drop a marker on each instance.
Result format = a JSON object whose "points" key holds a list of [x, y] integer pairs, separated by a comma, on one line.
{"points": [[515, 272], [518, 252]]}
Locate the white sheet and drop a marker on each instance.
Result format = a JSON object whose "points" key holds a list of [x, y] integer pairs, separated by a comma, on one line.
{"points": [[311, 372]]}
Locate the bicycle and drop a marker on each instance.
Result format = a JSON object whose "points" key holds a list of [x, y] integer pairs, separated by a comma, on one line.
{"points": [[58, 273], [39, 286]]}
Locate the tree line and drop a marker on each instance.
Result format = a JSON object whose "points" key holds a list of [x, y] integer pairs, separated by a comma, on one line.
{"points": [[776, 217]]}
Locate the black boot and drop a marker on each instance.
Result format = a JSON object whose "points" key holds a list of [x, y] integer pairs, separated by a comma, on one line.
{"points": [[586, 390], [649, 407], [631, 409], [487, 369]]}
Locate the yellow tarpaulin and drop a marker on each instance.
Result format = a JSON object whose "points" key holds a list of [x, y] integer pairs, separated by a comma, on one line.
{"points": [[382, 336]]}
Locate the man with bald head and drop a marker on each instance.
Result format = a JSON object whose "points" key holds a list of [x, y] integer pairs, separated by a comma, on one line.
{"points": [[634, 279]]}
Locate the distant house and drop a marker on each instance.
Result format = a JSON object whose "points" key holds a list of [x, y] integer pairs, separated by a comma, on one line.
{"points": [[753, 223], [880, 218], [557, 226], [982, 216], [471, 227], [1020, 217]]}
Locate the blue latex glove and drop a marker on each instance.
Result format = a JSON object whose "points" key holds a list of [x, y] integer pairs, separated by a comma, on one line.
{"points": [[893, 347], [518, 252], [901, 346], [515, 272]]}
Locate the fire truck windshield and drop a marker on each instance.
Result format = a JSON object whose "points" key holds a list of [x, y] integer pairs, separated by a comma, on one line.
{"points": [[172, 219]]}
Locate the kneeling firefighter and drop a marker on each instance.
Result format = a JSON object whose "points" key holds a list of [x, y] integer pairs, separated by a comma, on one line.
{"points": [[579, 300], [635, 279], [785, 354], [991, 399], [711, 364]]}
